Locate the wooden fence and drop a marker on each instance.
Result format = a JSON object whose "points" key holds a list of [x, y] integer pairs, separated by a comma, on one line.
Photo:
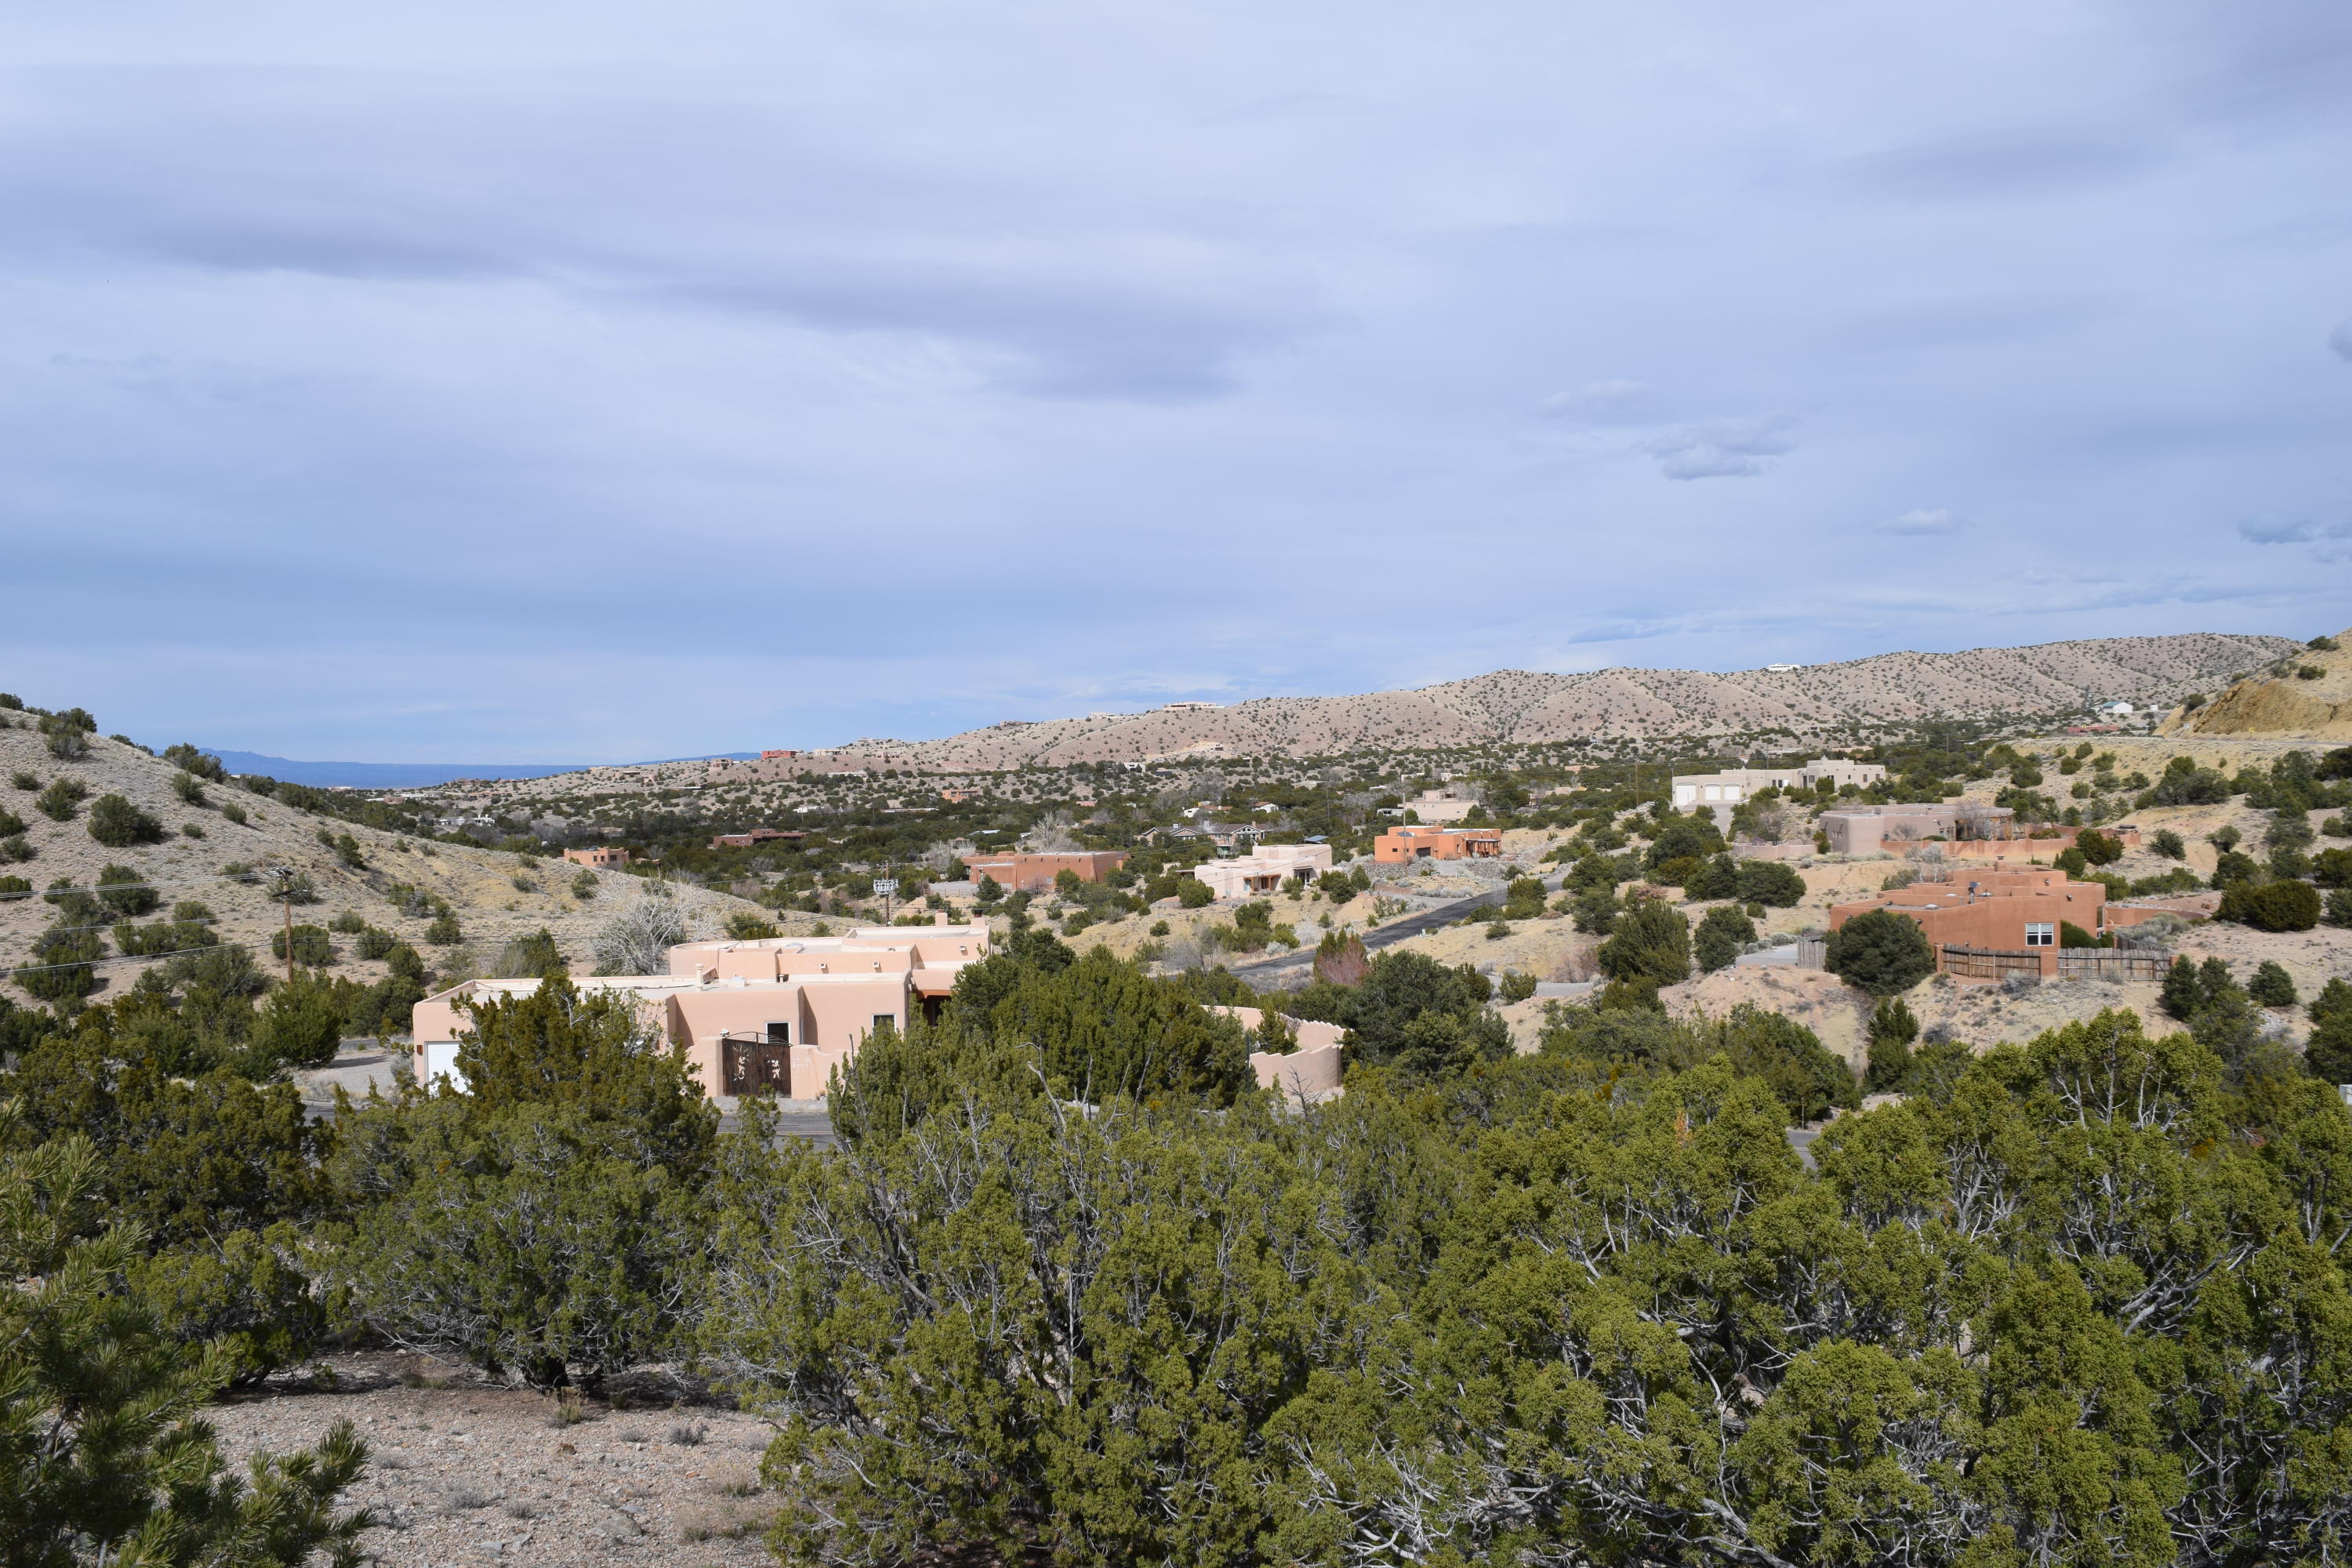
{"points": [[2073, 963], [2110, 964], [1989, 962]]}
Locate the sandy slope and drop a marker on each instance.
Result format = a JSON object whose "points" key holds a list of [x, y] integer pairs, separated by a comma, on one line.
{"points": [[479, 884], [1534, 707]]}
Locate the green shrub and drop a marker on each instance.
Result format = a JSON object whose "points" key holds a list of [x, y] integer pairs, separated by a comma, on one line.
{"points": [[1518, 986], [373, 942], [2099, 848], [2271, 987], [10, 823], [445, 930], [311, 945], [743, 926], [60, 967], [1721, 936], [185, 787], [1650, 942], [2168, 844], [2272, 905], [135, 1474], [2231, 868], [16, 850], [1770, 882], [202, 764], [233, 812], [116, 824], [347, 924], [61, 801], [1880, 952], [126, 890], [1194, 893], [1892, 1027], [583, 885], [13, 889]]}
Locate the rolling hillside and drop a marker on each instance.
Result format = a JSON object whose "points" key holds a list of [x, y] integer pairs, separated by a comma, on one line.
{"points": [[1524, 706], [2305, 695], [487, 890]]}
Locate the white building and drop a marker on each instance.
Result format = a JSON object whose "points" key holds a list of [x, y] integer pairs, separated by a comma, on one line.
{"points": [[1721, 792], [1263, 869]]}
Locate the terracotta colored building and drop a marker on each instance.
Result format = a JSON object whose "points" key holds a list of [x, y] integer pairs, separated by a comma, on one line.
{"points": [[1020, 873], [774, 1016], [1263, 869], [2010, 911], [1399, 844], [601, 855]]}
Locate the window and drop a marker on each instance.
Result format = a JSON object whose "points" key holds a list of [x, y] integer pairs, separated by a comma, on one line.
{"points": [[885, 1021], [779, 1034], [2040, 933]]}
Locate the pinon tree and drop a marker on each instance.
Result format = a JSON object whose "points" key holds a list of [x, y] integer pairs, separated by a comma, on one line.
{"points": [[104, 1454]]}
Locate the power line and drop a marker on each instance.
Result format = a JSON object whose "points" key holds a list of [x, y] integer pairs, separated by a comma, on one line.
{"points": [[120, 958]]}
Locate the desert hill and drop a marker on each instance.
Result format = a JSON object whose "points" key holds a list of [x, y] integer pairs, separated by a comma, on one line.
{"points": [[2305, 694], [1530, 706], [496, 897]]}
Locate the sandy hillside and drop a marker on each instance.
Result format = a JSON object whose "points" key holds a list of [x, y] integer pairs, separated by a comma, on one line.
{"points": [[495, 896], [1533, 706], [2286, 699]]}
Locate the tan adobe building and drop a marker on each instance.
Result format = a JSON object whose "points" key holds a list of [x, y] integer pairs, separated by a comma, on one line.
{"points": [[599, 856], [1400, 845], [1026, 873], [771, 1016], [1263, 869], [1446, 804], [1720, 793], [756, 836]]}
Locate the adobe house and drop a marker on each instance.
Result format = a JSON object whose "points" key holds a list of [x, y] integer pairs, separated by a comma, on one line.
{"points": [[1398, 846], [1025, 873], [2008, 911], [1720, 792], [600, 856], [1263, 869], [771, 1016], [755, 837]]}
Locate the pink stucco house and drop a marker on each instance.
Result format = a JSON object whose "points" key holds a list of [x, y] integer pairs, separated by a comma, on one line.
{"points": [[755, 1018]]}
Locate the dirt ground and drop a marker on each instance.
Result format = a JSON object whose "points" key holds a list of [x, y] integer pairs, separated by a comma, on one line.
{"points": [[461, 1473]]}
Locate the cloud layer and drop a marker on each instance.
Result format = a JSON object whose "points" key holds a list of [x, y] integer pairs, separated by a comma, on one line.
{"points": [[533, 382]]}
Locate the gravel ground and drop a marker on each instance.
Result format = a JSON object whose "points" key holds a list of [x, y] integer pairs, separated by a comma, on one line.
{"points": [[461, 1472]]}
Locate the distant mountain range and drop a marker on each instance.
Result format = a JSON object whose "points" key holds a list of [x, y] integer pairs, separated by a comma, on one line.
{"points": [[1513, 706], [407, 776], [1518, 706]]}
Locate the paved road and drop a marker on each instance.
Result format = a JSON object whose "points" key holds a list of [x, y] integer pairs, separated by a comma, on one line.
{"points": [[1428, 919]]}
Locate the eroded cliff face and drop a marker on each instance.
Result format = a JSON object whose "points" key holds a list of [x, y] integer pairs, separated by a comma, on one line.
{"points": [[2281, 700]]}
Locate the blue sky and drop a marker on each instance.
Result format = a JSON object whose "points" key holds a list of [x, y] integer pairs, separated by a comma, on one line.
{"points": [[584, 382]]}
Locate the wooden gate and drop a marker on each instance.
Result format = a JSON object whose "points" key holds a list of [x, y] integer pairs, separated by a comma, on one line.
{"points": [[756, 1065]]}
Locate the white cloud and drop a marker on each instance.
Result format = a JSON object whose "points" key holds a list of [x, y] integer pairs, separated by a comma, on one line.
{"points": [[1922, 522], [2291, 530], [2329, 541], [1728, 449], [1601, 402]]}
